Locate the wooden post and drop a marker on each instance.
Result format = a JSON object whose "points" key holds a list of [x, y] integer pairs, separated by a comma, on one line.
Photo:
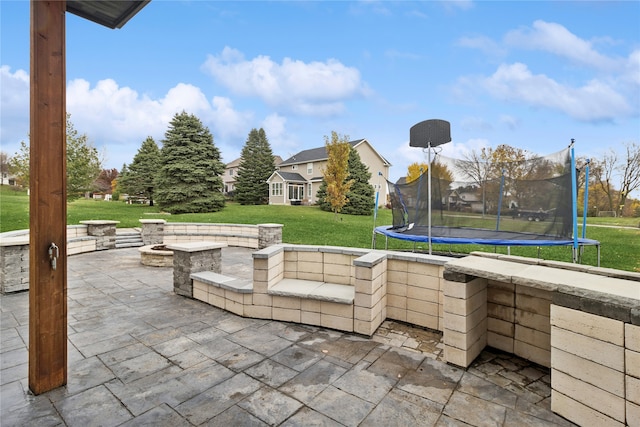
{"points": [[48, 199]]}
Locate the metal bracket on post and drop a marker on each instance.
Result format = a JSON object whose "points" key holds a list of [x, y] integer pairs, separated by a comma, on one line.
{"points": [[54, 253]]}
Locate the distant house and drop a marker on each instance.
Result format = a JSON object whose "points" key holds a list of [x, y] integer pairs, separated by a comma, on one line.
{"points": [[465, 201], [231, 173], [8, 179], [297, 179]]}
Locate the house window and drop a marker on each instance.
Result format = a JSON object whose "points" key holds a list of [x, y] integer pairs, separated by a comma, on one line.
{"points": [[309, 168], [276, 189], [294, 167], [231, 172], [296, 191], [310, 191]]}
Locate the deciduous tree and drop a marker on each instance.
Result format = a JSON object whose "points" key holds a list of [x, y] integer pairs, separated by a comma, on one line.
{"points": [[336, 173], [415, 170], [630, 173], [19, 165], [104, 183], [83, 163], [4, 165]]}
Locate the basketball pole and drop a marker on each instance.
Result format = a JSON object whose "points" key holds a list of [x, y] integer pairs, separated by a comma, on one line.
{"points": [[429, 192]]}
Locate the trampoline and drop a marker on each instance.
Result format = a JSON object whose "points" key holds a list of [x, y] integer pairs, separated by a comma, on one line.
{"points": [[527, 201], [478, 236]]}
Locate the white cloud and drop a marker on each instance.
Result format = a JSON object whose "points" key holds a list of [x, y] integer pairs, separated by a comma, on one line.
{"points": [[555, 38], [452, 5], [484, 44], [632, 70], [14, 104], [280, 138], [594, 101], [228, 122], [510, 122], [475, 124], [119, 115], [315, 88]]}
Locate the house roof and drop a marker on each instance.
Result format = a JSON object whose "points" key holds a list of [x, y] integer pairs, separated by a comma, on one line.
{"points": [[288, 176], [235, 163], [313, 155], [111, 14]]}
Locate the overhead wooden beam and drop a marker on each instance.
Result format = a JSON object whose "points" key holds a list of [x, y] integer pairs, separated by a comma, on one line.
{"points": [[48, 199]]}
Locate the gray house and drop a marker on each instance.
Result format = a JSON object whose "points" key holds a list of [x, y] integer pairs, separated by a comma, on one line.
{"points": [[298, 178]]}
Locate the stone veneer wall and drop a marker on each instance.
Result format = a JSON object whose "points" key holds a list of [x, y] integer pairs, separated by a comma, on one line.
{"points": [[14, 255], [14, 265], [243, 235], [231, 234]]}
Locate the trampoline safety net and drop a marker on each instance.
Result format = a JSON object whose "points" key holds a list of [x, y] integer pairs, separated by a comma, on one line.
{"points": [[530, 199]]}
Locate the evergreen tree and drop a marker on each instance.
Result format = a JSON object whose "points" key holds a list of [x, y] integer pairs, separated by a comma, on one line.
{"points": [[139, 177], [256, 166], [189, 175], [361, 194]]}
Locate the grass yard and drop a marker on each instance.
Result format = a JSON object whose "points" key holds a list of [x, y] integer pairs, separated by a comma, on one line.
{"points": [[309, 225]]}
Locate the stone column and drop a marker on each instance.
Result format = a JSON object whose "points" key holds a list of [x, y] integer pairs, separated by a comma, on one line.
{"points": [[465, 317], [152, 231], [370, 292], [193, 257], [104, 231], [14, 265], [269, 234]]}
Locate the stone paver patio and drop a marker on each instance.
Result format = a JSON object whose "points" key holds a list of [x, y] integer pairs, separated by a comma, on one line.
{"points": [[140, 355]]}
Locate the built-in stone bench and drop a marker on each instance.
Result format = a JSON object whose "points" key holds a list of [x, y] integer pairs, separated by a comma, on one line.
{"points": [[157, 231], [242, 286], [311, 289]]}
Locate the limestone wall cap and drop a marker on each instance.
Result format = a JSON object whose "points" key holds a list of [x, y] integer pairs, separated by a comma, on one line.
{"points": [[153, 221], [99, 222], [196, 246]]}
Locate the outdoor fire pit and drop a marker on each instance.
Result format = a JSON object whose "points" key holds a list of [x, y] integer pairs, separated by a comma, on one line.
{"points": [[156, 256]]}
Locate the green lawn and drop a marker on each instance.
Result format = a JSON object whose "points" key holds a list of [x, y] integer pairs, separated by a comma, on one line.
{"points": [[309, 225]]}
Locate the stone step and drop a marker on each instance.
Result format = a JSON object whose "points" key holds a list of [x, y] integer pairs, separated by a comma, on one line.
{"points": [[127, 234], [130, 237], [129, 245]]}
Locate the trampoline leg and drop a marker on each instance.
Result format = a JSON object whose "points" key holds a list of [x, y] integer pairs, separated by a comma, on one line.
{"points": [[508, 250]]}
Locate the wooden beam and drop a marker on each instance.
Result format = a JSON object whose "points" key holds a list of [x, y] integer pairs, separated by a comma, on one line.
{"points": [[48, 199]]}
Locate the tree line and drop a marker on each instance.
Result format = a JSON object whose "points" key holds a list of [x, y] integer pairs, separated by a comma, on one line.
{"points": [[185, 174], [611, 179]]}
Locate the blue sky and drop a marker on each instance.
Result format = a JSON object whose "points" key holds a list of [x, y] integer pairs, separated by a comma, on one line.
{"points": [[529, 74]]}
